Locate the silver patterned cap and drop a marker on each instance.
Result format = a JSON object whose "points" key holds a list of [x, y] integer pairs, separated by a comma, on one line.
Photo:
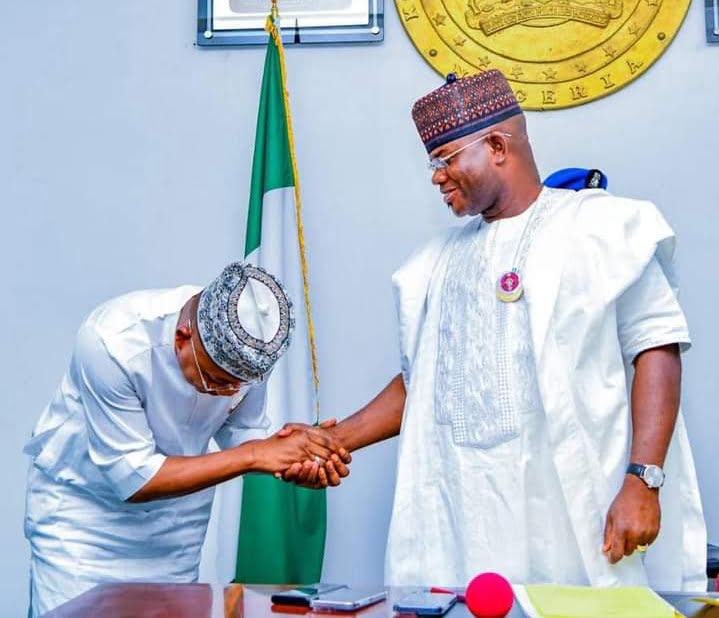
{"points": [[245, 321]]}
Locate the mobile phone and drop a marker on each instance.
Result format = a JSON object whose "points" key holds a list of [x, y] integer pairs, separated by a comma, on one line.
{"points": [[348, 599], [302, 595], [426, 603]]}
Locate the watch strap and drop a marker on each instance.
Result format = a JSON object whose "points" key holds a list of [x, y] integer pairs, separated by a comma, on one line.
{"points": [[652, 475], [636, 469]]}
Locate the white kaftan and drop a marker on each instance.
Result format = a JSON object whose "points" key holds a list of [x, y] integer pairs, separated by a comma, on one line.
{"points": [[120, 410], [516, 426]]}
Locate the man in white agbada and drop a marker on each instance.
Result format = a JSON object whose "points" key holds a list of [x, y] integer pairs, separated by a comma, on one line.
{"points": [[539, 394], [120, 483]]}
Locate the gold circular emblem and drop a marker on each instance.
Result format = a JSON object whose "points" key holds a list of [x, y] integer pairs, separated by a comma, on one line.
{"points": [[556, 53]]}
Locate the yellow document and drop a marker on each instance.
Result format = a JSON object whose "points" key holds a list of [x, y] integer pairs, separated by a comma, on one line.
{"points": [[584, 602]]}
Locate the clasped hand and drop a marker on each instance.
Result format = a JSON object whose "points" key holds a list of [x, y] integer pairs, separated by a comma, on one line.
{"points": [[305, 455], [633, 520]]}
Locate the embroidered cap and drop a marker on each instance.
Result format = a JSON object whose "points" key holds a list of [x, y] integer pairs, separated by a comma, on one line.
{"points": [[463, 106], [245, 321]]}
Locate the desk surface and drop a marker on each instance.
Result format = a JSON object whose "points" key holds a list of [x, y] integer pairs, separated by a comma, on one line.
{"points": [[245, 601]]}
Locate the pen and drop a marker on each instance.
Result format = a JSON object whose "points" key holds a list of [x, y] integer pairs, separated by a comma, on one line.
{"points": [[707, 600], [460, 596]]}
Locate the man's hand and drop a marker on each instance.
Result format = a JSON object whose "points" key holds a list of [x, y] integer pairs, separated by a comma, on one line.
{"points": [[380, 419], [318, 474], [633, 519], [303, 443]]}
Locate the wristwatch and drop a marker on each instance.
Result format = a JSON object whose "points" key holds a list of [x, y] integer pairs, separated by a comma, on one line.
{"points": [[653, 476]]}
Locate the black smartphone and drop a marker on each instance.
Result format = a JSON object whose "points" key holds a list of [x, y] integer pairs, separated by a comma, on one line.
{"points": [[426, 603], [302, 595]]}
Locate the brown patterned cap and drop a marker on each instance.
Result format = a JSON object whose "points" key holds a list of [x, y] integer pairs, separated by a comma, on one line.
{"points": [[462, 106]]}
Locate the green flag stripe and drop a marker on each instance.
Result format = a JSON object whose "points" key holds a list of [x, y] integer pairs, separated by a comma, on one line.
{"points": [[272, 162], [282, 533]]}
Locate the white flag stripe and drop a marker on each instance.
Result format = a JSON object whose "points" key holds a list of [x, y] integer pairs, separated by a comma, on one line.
{"points": [[290, 396]]}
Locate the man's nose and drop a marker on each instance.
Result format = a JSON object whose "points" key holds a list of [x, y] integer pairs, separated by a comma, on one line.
{"points": [[439, 176]]}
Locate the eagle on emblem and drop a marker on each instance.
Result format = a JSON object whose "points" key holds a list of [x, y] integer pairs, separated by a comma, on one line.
{"points": [[494, 15]]}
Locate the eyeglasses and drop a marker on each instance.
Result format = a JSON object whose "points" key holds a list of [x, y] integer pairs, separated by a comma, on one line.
{"points": [[228, 389], [442, 163]]}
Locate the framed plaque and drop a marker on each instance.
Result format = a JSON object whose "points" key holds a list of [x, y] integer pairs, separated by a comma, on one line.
{"points": [[712, 15], [242, 22]]}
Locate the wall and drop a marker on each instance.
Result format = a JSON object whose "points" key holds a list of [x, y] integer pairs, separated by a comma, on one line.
{"points": [[124, 163]]}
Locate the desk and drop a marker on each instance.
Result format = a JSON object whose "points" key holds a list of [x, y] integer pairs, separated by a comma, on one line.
{"points": [[239, 601]]}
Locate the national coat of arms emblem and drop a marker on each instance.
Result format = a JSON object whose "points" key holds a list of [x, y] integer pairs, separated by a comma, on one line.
{"points": [[556, 53]]}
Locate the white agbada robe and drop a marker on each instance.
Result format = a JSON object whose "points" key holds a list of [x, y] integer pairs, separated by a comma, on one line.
{"points": [[525, 490], [120, 410]]}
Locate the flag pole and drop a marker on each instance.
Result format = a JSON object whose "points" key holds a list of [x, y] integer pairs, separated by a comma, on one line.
{"points": [[273, 28]]}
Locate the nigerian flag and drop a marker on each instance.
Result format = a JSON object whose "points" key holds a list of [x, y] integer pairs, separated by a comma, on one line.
{"points": [[282, 527]]}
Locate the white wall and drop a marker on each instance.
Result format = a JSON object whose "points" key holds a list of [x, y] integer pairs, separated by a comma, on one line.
{"points": [[124, 163]]}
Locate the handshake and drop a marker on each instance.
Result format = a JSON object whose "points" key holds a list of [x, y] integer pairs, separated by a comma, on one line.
{"points": [[309, 456]]}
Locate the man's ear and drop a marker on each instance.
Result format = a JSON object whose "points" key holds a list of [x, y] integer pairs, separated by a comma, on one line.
{"points": [[182, 334], [499, 146]]}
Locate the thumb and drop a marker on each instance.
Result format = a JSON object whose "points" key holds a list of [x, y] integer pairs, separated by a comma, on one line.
{"points": [[284, 432], [608, 533], [330, 422]]}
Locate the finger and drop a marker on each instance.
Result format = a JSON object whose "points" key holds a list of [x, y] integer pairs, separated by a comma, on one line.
{"points": [[320, 435], [619, 545], [277, 475], [304, 472], [339, 466], [608, 533], [629, 541], [629, 547], [314, 471], [615, 554], [292, 472], [315, 450], [344, 453], [651, 535], [322, 477], [333, 478], [296, 426], [322, 438], [613, 542]]}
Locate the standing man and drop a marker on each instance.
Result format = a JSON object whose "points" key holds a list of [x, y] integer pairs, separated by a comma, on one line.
{"points": [[120, 483], [538, 400]]}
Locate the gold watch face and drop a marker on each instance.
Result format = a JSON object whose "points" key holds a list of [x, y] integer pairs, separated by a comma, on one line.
{"points": [[556, 53]]}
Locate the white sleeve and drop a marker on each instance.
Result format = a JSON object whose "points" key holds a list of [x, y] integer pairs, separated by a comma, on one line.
{"points": [[120, 441], [649, 315], [247, 421]]}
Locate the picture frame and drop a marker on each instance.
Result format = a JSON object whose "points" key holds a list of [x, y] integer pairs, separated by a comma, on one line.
{"points": [[712, 20], [227, 23]]}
